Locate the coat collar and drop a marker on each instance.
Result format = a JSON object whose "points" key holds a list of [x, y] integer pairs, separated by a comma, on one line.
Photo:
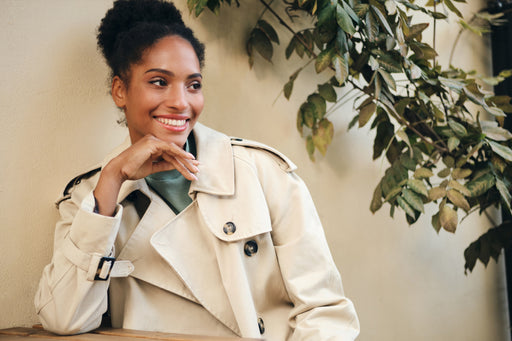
{"points": [[216, 170]]}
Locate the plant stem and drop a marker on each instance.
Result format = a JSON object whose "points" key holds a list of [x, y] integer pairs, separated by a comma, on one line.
{"points": [[282, 22]]}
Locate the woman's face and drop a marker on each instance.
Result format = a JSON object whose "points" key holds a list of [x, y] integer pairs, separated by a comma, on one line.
{"points": [[164, 96]]}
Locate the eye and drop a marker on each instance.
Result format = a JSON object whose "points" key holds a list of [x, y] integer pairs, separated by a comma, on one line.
{"points": [[196, 85], [158, 82]]}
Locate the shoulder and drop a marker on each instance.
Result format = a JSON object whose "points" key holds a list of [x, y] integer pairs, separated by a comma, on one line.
{"points": [[256, 152], [76, 181]]}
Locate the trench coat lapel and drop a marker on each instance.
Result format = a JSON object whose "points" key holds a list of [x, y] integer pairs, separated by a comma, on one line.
{"points": [[187, 246]]}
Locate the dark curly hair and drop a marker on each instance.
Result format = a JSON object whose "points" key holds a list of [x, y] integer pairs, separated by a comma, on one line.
{"points": [[131, 26]]}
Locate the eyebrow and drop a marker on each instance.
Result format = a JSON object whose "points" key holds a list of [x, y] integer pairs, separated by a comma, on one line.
{"points": [[171, 74]]}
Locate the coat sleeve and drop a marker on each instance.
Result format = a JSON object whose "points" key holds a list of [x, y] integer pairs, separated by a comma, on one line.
{"points": [[320, 309], [68, 299]]}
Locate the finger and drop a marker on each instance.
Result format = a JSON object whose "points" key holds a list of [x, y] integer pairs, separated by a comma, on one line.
{"points": [[190, 165], [162, 166], [173, 150], [180, 167]]}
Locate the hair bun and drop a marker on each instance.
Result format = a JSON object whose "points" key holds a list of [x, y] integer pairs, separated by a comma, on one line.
{"points": [[126, 14]]}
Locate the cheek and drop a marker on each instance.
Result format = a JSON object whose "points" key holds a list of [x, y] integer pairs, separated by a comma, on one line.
{"points": [[198, 105]]}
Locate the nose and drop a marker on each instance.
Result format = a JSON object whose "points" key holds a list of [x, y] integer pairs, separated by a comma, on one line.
{"points": [[176, 98]]}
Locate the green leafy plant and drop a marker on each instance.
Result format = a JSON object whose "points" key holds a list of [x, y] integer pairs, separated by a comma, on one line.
{"points": [[428, 120]]}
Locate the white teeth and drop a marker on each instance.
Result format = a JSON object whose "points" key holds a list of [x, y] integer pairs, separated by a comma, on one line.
{"points": [[169, 122]]}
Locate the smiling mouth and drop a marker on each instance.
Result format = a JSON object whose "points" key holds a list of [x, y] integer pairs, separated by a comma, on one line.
{"points": [[171, 122]]}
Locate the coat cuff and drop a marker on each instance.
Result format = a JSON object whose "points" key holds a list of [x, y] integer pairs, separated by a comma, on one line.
{"points": [[92, 232]]}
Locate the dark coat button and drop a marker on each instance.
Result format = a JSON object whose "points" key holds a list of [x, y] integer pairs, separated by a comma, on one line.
{"points": [[261, 325], [250, 248], [229, 228]]}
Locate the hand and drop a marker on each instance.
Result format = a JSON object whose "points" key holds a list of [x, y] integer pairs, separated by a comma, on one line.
{"points": [[147, 156], [151, 155]]}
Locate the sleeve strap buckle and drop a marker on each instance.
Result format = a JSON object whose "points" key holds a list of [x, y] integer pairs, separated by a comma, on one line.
{"points": [[104, 267]]}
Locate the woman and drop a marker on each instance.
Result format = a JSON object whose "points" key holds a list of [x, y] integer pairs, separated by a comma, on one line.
{"points": [[182, 229]]}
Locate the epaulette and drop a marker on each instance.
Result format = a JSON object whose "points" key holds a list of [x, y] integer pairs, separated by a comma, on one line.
{"points": [[75, 181], [286, 163]]}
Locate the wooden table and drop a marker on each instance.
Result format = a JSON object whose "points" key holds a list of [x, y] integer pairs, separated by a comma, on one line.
{"points": [[37, 333]]}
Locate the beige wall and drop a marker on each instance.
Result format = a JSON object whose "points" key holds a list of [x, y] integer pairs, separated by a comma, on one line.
{"points": [[57, 119]]}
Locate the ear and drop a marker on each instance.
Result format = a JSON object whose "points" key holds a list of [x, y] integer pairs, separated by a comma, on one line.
{"points": [[119, 92]]}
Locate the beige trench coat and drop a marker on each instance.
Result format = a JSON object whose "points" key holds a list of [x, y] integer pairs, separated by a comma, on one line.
{"points": [[248, 257]]}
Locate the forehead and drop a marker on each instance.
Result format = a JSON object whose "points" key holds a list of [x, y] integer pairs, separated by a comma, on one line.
{"points": [[171, 52]]}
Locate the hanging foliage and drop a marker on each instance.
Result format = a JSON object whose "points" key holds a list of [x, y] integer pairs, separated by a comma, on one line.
{"points": [[440, 151]]}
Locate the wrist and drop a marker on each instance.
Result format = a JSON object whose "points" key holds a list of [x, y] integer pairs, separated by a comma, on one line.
{"points": [[107, 190]]}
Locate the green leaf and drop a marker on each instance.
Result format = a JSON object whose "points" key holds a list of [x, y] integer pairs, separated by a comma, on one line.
{"points": [[436, 193], [390, 81], [453, 143], [415, 31], [291, 47], [444, 173], [310, 147], [503, 151], [326, 15], [382, 19], [449, 161], [505, 193], [502, 102], [488, 245], [423, 50], [458, 199], [407, 161], [268, 30], [385, 132], [199, 7], [495, 111], [499, 163], [308, 114], [353, 122], [417, 186], [436, 222], [473, 92], [376, 203], [406, 207], [318, 103], [492, 131], [322, 136], [366, 111], [457, 128], [438, 15], [300, 121], [372, 29], [423, 173], [323, 60], [461, 173], [361, 9], [262, 44], [413, 199], [452, 8], [341, 69], [288, 87], [351, 12], [393, 193], [388, 62], [344, 20], [448, 218], [327, 91], [481, 184]]}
